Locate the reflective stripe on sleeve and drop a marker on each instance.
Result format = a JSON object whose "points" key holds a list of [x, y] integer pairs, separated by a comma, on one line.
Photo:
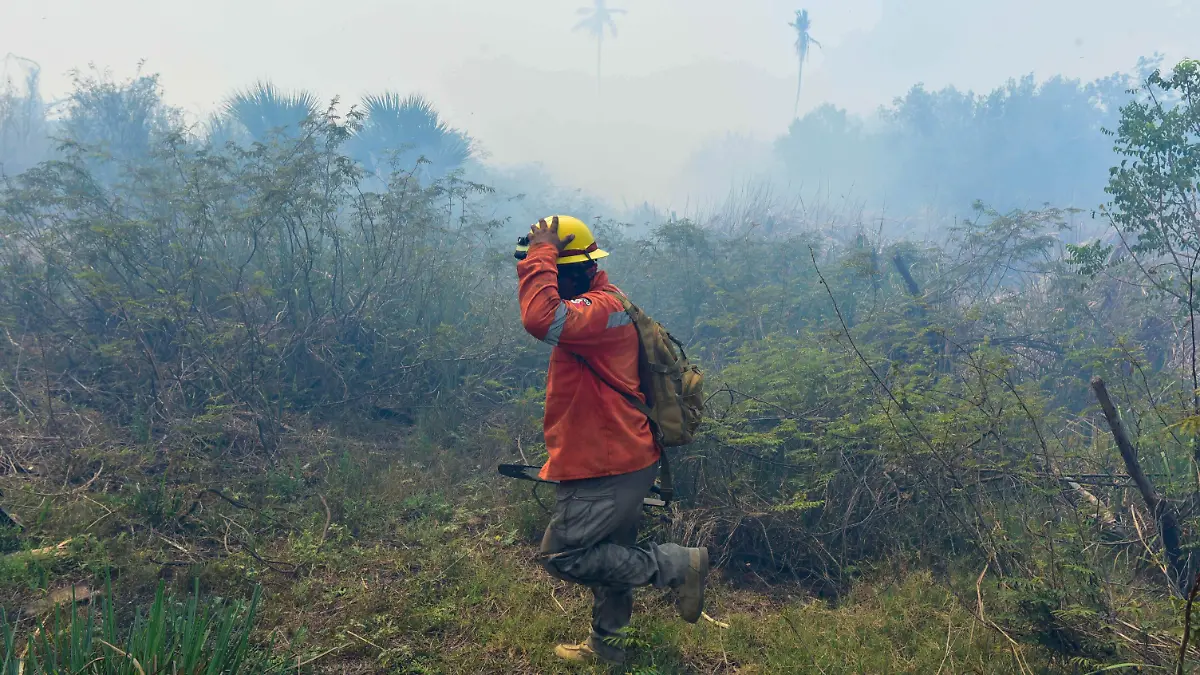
{"points": [[556, 328]]}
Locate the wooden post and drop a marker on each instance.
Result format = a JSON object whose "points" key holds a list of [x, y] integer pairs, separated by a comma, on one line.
{"points": [[1164, 513]]}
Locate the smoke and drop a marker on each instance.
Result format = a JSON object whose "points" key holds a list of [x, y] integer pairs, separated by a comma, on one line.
{"points": [[696, 97]]}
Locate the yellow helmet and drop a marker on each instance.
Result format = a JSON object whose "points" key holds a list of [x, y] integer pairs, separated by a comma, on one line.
{"points": [[582, 248]]}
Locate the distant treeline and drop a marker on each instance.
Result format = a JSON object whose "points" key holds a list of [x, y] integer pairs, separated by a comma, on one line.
{"points": [[1022, 145]]}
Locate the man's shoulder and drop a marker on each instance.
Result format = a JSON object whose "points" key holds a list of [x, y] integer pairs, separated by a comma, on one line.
{"points": [[599, 299], [606, 297]]}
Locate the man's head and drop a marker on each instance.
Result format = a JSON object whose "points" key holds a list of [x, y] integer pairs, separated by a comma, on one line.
{"points": [[569, 235], [575, 279], [577, 252]]}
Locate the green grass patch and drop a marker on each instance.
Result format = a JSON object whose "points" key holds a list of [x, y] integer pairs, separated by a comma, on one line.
{"points": [[172, 636], [355, 560]]}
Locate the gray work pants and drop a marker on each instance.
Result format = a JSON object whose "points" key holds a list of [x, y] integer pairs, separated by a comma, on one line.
{"points": [[592, 541]]}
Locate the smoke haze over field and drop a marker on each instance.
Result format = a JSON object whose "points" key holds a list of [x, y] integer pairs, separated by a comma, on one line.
{"points": [[680, 78]]}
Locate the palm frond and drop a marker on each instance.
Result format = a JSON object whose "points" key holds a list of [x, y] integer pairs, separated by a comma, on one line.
{"points": [[399, 129], [263, 108], [802, 24], [591, 25]]}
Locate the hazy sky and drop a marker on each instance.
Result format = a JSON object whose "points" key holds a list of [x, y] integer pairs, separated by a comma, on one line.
{"points": [[680, 73]]}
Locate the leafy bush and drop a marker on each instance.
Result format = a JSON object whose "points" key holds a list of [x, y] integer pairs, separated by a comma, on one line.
{"points": [[276, 286]]}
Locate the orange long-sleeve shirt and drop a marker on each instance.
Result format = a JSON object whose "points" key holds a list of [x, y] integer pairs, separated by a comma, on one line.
{"points": [[591, 430]]}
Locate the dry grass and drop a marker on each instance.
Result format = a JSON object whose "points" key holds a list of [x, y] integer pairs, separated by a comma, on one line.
{"points": [[385, 556]]}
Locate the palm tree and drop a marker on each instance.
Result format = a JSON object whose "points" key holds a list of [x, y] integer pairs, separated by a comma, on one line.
{"points": [[597, 19], [407, 131], [264, 109], [803, 42]]}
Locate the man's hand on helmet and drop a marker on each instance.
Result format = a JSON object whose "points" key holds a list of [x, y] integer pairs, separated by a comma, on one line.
{"points": [[548, 234]]}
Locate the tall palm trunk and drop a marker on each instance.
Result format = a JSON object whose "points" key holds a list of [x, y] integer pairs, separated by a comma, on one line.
{"points": [[599, 48], [803, 42], [802, 56], [799, 81]]}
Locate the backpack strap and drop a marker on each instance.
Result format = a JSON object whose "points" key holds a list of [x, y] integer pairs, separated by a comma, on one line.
{"points": [[666, 488], [633, 400]]}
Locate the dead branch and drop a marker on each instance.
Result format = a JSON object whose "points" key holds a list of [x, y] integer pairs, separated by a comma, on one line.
{"points": [[1164, 512], [1187, 625], [718, 624]]}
